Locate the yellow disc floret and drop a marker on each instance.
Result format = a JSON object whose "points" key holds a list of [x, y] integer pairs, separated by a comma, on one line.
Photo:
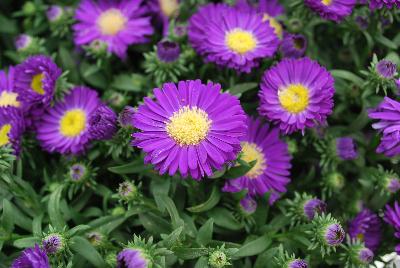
{"points": [[4, 131], [327, 2], [169, 7], [73, 123], [294, 98], [9, 99], [251, 152], [275, 24], [240, 41], [111, 22], [188, 126], [37, 83]]}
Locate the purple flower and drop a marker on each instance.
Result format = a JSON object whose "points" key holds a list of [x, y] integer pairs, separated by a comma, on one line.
{"points": [[248, 204], [53, 243], [365, 255], [388, 113], [334, 234], [392, 217], [125, 117], [298, 263], [54, 13], [293, 45], [168, 51], [386, 69], [296, 94], [11, 128], [190, 126], [77, 172], [362, 22], [346, 149], [132, 258], [65, 126], [313, 207], [22, 42], [393, 185], [397, 82], [335, 10], [163, 10], [379, 4], [366, 226], [8, 95], [102, 123], [32, 258], [271, 170], [119, 23], [230, 37]]}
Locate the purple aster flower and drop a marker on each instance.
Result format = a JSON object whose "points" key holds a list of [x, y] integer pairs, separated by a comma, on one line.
{"points": [[32, 258], [248, 204], [393, 185], [190, 127], [397, 82], [392, 216], [296, 94], [119, 23], [11, 128], [8, 95], [346, 149], [132, 258], [334, 234], [366, 226], [125, 117], [168, 51], [54, 13], [365, 255], [77, 172], [386, 69], [53, 243], [293, 45], [102, 123], [163, 10], [298, 263], [22, 42], [388, 113], [230, 37], [335, 10], [271, 171], [313, 207], [379, 4], [65, 126]]}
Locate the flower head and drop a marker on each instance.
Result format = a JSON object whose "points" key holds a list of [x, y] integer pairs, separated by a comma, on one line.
{"points": [[125, 117], [386, 69], [393, 185], [102, 123], [65, 126], [392, 217], [23, 42], [168, 51], [33, 258], [218, 259], [163, 11], [127, 190], [296, 94], [366, 227], [54, 13], [335, 10], [346, 149], [365, 255], [313, 207], [132, 258], [8, 95], [327, 233], [53, 243], [298, 263], [271, 170], [379, 4], [11, 128], [78, 172], [387, 112], [119, 23], [293, 45], [230, 37], [248, 205], [190, 127]]}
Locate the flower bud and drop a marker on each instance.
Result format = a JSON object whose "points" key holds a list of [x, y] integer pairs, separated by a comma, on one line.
{"points": [[168, 51], [218, 259], [53, 243]]}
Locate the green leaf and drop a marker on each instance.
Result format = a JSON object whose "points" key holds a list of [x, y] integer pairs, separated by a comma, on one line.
{"points": [[154, 224], [386, 42], [136, 166], [37, 225], [266, 257], [54, 210], [185, 253], [202, 262], [204, 235], [171, 239], [7, 219], [211, 202], [127, 82], [167, 203], [242, 88], [7, 25], [240, 170], [81, 246], [224, 218], [346, 75], [78, 229], [254, 247], [26, 242]]}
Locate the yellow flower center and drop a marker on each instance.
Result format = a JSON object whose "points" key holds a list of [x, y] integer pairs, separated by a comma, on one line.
{"points": [[4, 130], [294, 98], [9, 99], [73, 123], [111, 22], [327, 2], [251, 152], [37, 84], [240, 41], [360, 236], [275, 24], [188, 126], [169, 7]]}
